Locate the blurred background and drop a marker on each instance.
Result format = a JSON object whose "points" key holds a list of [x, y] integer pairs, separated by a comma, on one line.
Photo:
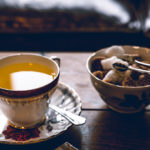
{"points": [[73, 25]]}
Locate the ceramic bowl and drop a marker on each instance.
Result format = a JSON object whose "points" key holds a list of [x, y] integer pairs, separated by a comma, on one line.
{"points": [[123, 99]]}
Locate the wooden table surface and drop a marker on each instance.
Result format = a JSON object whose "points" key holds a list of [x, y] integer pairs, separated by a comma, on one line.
{"points": [[104, 128]]}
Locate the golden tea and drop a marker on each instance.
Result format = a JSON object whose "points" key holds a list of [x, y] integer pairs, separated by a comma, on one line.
{"points": [[25, 76]]}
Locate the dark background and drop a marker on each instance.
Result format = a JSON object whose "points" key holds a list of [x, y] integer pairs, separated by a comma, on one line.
{"points": [[69, 41], [75, 28]]}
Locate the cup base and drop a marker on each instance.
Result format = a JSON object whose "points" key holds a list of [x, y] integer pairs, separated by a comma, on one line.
{"points": [[28, 127]]}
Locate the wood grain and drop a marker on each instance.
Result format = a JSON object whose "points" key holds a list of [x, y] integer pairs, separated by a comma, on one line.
{"points": [[75, 74], [104, 129]]}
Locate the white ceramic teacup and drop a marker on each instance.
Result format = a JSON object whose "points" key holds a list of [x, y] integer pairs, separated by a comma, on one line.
{"points": [[27, 108]]}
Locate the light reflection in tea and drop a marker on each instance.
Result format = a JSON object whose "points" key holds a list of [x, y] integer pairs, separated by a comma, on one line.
{"points": [[21, 80], [25, 76]]}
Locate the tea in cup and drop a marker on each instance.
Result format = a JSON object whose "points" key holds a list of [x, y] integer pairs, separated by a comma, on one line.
{"points": [[26, 83]]}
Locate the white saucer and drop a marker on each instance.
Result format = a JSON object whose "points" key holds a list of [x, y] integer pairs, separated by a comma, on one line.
{"points": [[64, 97]]}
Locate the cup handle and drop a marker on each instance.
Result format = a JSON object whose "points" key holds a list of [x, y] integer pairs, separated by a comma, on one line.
{"points": [[56, 59]]}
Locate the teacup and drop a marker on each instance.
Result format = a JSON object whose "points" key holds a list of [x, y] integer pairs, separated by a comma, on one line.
{"points": [[27, 108]]}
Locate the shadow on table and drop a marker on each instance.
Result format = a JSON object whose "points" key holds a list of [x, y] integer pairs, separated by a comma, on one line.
{"points": [[72, 135], [121, 131]]}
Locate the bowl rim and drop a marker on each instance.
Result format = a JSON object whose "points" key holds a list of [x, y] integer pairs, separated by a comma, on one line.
{"points": [[110, 84]]}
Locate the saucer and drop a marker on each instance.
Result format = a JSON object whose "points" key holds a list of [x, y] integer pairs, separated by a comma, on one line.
{"points": [[64, 97]]}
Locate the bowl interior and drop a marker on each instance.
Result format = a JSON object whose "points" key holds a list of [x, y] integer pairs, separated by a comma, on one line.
{"points": [[142, 51]]}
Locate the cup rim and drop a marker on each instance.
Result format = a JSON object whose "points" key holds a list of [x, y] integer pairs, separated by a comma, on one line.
{"points": [[28, 93], [110, 84]]}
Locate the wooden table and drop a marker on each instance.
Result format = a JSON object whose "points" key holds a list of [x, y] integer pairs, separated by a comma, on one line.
{"points": [[104, 129]]}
